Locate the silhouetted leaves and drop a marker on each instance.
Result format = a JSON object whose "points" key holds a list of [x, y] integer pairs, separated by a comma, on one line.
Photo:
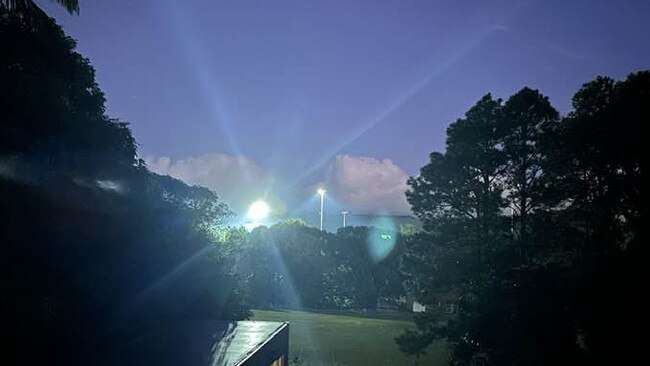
{"points": [[96, 250], [532, 222]]}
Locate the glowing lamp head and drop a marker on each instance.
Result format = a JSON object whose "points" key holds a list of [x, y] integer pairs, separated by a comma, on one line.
{"points": [[258, 211], [321, 191]]}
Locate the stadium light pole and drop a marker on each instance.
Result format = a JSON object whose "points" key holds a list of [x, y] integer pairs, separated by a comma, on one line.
{"points": [[321, 193], [344, 213]]}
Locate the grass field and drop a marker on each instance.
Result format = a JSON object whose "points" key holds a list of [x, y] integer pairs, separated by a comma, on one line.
{"points": [[346, 340]]}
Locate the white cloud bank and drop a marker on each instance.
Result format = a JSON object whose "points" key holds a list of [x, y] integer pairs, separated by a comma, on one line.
{"points": [[370, 185], [234, 178], [362, 184]]}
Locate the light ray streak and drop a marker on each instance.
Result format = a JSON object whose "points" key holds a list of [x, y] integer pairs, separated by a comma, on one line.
{"points": [[363, 128], [204, 74]]}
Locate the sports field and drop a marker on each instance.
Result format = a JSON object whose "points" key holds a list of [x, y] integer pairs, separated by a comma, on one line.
{"points": [[347, 340]]}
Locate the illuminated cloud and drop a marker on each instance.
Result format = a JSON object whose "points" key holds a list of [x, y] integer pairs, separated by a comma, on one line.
{"points": [[234, 178], [370, 185], [360, 184]]}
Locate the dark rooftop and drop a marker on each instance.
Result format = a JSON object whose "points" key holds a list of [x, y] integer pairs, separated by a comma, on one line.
{"points": [[202, 343]]}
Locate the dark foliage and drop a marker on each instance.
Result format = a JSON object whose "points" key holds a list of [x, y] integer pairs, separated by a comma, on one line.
{"points": [[96, 250], [533, 226], [291, 265]]}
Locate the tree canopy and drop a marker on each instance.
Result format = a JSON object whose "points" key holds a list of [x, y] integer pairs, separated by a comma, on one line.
{"points": [[532, 224], [96, 249]]}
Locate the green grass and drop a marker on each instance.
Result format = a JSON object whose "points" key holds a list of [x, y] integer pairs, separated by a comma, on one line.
{"points": [[342, 340]]}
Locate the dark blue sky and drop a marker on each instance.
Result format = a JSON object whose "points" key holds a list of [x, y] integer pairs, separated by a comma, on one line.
{"points": [[290, 84]]}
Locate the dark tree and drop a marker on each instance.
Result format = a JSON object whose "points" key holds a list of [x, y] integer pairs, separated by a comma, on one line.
{"points": [[53, 110], [458, 197], [96, 249], [540, 290], [595, 166], [292, 265], [72, 6], [526, 115]]}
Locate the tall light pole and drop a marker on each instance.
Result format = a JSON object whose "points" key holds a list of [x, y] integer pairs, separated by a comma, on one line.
{"points": [[344, 213], [321, 193]]}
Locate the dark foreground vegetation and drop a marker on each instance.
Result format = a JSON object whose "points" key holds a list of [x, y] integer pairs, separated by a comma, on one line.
{"points": [[531, 228], [533, 223], [95, 248]]}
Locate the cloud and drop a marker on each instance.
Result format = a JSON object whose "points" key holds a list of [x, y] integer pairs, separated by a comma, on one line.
{"points": [[234, 178], [369, 184], [360, 184]]}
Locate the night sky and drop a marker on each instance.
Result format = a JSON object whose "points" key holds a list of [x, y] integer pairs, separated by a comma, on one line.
{"points": [[272, 98]]}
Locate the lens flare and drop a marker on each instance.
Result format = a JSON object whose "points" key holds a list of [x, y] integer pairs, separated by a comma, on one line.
{"points": [[381, 238], [258, 211]]}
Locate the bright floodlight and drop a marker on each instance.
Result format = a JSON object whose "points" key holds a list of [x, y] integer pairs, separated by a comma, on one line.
{"points": [[258, 211], [321, 191]]}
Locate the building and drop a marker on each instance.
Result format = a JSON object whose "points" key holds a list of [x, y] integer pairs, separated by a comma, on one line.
{"points": [[448, 302], [213, 343], [418, 308], [334, 221], [363, 219]]}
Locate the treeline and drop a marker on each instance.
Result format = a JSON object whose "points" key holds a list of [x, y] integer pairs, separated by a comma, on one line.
{"points": [[291, 265], [533, 223], [95, 249]]}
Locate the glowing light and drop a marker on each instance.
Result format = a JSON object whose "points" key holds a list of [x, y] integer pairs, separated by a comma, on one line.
{"points": [[258, 211], [381, 237], [321, 191]]}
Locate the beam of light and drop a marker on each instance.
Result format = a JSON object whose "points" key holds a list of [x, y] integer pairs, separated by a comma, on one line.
{"points": [[277, 262], [382, 237], [203, 72], [304, 206], [362, 128]]}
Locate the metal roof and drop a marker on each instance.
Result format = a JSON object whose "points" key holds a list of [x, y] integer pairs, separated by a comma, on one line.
{"points": [[214, 343]]}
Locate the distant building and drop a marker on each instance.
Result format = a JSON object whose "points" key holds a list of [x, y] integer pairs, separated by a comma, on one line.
{"points": [[365, 219], [448, 302], [200, 343], [445, 302], [333, 222], [418, 308]]}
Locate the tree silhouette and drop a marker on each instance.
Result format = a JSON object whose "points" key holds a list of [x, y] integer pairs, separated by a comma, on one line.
{"points": [[71, 6], [96, 249], [535, 286]]}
